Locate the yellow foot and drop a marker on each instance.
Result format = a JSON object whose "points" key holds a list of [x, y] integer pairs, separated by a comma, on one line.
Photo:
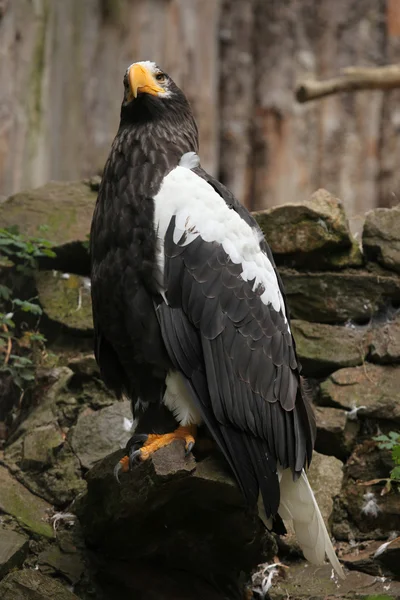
{"points": [[154, 441], [151, 443]]}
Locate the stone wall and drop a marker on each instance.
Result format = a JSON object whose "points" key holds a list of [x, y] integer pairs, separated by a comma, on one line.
{"points": [[345, 306]]}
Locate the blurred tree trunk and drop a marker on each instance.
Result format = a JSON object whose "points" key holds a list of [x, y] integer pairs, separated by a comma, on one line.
{"points": [[61, 70]]}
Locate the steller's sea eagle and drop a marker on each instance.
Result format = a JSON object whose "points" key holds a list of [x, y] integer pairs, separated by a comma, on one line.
{"points": [[190, 314]]}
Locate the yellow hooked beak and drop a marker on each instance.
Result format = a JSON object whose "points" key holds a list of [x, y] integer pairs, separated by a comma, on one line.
{"points": [[142, 81]]}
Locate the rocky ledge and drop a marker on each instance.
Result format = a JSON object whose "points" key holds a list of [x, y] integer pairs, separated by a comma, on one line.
{"points": [[176, 527]]}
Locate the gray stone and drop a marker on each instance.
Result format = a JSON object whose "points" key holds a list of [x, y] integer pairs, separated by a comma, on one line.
{"points": [[325, 476], [314, 234], [378, 558], [336, 297], [39, 445], [97, 433], [375, 388], [13, 549], [381, 237], [305, 581], [336, 434], [364, 510], [383, 342], [29, 584], [85, 366], [30, 511], [325, 348], [68, 564], [39, 452]]}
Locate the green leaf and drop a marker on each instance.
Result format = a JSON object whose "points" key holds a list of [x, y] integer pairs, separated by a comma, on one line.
{"points": [[394, 435], [38, 337], [396, 454], [5, 292], [49, 253], [27, 375], [395, 474], [9, 322], [26, 306], [381, 438]]}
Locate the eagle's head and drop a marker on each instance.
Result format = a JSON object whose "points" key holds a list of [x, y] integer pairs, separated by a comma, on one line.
{"points": [[149, 91], [154, 104], [147, 79]]}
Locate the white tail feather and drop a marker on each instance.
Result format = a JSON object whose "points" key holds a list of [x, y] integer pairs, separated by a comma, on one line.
{"points": [[299, 506]]}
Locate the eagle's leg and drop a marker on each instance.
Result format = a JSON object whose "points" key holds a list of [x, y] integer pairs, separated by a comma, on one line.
{"points": [[151, 443], [156, 441]]}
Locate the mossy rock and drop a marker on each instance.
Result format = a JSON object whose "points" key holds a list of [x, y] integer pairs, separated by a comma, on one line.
{"points": [[30, 584], [30, 511], [381, 237], [324, 348], [65, 299], [376, 388], [303, 581], [340, 296], [314, 234], [66, 209]]}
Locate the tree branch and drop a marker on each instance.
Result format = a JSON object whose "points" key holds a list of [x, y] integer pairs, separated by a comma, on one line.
{"points": [[352, 79]]}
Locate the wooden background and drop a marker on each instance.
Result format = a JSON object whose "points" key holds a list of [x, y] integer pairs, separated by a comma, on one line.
{"points": [[61, 68]]}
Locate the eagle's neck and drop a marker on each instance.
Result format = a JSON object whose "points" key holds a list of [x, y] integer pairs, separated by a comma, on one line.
{"points": [[144, 151], [150, 146]]}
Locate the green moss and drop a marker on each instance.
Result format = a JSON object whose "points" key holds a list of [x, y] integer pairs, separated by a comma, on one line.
{"points": [[65, 300], [29, 510]]}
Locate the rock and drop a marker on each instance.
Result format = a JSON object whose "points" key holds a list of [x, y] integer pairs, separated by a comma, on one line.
{"points": [[33, 585], [39, 450], [314, 234], [305, 581], [381, 237], [66, 301], [325, 348], [13, 549], [383, 342], [85, 366], [66, 209], [336, 434], [325, 476], [40, 444], [363, 512], [68, 564], [389, 558], [97, 433], [375, 388], [30, 511], [174, 514], [381, 559], [330, 297]]}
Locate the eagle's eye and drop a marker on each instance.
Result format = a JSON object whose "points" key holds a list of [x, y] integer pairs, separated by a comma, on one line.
{"points": [[160, 77]]}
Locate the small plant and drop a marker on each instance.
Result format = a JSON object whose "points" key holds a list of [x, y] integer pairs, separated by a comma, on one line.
{"points": [[20, 252], [391, 442]]}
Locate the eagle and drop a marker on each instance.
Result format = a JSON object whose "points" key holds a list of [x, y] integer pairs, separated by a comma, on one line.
{"points": [[190, 316]]}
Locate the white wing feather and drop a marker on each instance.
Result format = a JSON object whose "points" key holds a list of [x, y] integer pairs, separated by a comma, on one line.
{"points": [[298, 506]]}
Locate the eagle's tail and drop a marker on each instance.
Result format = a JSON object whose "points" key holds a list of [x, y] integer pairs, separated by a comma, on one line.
{"points": [[299, 506]]}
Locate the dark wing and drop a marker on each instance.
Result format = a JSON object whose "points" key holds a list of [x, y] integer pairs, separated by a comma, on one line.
{"points": [[238, 357]]}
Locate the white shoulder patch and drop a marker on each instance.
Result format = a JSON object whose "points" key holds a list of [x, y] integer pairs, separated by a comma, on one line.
{"points": [[200, 211], [190, 160]]}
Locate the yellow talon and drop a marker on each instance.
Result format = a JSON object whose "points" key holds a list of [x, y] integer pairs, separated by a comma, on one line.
{"points": [[156, 441]]}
